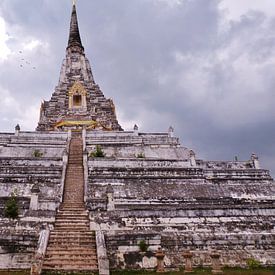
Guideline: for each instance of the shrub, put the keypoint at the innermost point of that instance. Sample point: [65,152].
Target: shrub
[11,208]
[253,263]
[98,153]
[143,246]
[37,154]
[140,156]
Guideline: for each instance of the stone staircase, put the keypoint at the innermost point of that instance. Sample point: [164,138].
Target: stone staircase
[72,246]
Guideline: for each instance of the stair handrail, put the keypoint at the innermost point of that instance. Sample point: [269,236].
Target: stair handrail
[37,264]
[84,134]
[102,258]
[65,164]
[63,177]
[85,163]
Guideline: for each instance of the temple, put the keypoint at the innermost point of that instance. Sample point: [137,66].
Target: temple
[80,194]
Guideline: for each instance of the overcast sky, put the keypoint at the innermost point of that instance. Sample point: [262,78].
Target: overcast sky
[206,67]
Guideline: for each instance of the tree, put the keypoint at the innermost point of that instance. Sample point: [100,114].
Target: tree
[11,207]
[98,153]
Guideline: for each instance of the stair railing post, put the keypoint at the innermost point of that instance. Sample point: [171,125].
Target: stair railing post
[103,261]
[37,264]
[84,133]
[63,177]
[85,163]
[69,134]
[86,174]
[65,163]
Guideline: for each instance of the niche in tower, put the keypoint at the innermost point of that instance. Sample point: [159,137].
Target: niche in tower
[77,96]
[77,101]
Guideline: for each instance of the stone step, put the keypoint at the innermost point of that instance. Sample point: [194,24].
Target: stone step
[74,206]
[70,257]
[78,203]
[79,240]
[71,187]
[69,198]
[71,237]
[75,226]
[70,213]
[73,268]
[79,207]
[70,265]
[76,157]
[79,216]
[74,175]
[68,230]
[73,217]
[74,220]
[68,210]
[61,244]
[72,178]
[72,254]
[67,207]
[73,234]
[77,250]
[73,250]
[57,265]
[70,226]
[68,261]
[75,181]
[71,209]
[69,244]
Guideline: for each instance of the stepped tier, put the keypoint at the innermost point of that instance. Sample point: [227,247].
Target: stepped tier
[164,197]
[28,160]
[146,187]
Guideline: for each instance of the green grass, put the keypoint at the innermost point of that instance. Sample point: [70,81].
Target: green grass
[13,272]
[227,271]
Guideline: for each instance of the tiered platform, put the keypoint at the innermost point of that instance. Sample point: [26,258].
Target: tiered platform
[28,161]
[160,195]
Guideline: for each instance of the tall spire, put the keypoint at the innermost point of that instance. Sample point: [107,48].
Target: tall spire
[74,36]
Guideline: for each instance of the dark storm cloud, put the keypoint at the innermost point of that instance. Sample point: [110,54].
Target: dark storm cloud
[164,64]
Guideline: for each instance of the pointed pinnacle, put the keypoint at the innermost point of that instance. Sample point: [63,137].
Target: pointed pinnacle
[74,36]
